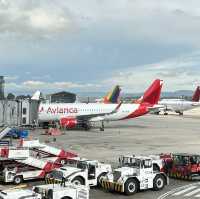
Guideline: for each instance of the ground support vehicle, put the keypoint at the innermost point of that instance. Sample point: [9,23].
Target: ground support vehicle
[17,133]
[84,172]
[183,166]
[48,152]
[16,166]
[138,175]
[65,191]
[19,194]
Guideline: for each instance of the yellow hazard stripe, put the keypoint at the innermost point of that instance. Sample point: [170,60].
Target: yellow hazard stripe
[112,186]
[52,181]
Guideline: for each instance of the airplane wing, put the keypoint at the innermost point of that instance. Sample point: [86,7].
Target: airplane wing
[90,116]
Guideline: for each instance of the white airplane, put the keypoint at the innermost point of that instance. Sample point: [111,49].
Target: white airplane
[180,105]
[71,115]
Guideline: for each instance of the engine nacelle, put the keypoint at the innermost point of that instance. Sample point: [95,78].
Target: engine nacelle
[68,122]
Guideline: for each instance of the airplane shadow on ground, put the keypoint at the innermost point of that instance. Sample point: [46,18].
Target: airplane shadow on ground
[127,127]
[96,129]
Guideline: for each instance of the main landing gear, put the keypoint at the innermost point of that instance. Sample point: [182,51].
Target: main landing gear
[86,126]
[102,126]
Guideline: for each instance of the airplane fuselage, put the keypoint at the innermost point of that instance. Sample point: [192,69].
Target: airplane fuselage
[54,112]
[178,105]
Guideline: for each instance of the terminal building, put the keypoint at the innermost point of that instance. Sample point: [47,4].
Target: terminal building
[18,112]
[61,97]
[2,85]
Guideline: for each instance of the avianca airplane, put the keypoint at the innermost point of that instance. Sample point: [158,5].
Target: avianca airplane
[180,105]
[112,97]
[71,115]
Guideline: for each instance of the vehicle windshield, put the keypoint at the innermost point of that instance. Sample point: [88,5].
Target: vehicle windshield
[82,165]
[131,162]
[185,160]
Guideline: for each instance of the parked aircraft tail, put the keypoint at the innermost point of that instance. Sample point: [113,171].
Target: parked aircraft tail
[113,96]
[36,96]
[196,96]
[152,94]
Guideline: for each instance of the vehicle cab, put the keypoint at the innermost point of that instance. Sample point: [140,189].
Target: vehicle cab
[158,163]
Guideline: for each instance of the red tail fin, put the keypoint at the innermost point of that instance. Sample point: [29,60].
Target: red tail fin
[152,94]
[196,95]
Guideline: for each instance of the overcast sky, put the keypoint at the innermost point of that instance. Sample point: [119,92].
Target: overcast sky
[91,45]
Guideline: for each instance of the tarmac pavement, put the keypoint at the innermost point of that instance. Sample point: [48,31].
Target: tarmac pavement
[150,134]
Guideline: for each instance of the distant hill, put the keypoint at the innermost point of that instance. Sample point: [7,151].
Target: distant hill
[95,95]
[175,94]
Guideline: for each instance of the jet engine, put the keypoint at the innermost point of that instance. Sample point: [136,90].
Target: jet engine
[68,122]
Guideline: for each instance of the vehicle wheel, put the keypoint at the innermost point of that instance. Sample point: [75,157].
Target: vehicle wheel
[99,179]
[158,183]
[78,181]
[131,187]
[65,197]
[18,180]
[50,194]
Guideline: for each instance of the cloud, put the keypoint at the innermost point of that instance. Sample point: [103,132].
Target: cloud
[11,78]
[154,20]
[127,42]
[160,21]
[31,85]
[178,73]
[34,19]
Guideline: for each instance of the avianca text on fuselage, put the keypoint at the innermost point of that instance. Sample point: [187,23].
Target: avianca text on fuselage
[59,110]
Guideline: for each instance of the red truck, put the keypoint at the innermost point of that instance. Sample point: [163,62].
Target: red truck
[182,165]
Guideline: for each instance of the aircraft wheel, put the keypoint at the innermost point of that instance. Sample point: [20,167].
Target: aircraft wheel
[101,129]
